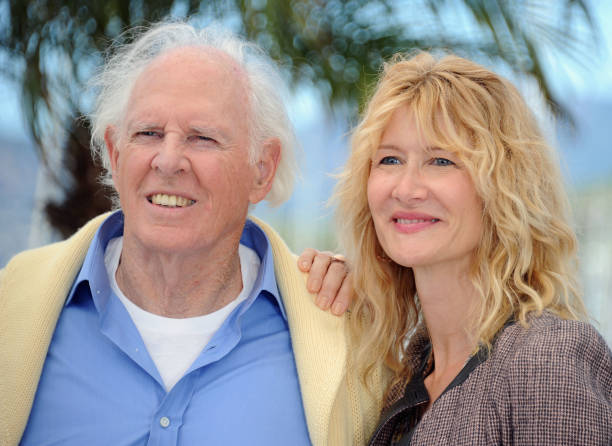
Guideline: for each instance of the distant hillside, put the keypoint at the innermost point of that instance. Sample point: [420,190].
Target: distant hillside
[18,173]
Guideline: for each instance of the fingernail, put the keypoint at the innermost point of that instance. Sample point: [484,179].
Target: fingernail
[337,309]
[323,302]
[314,286]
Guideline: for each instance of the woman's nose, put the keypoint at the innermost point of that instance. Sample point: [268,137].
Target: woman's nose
[411,185]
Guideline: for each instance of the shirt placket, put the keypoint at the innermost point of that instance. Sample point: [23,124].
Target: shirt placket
[168,419]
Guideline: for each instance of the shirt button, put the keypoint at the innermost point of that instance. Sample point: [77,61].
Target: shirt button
[164,422]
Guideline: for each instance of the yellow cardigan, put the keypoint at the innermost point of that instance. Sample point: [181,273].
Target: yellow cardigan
[34,286]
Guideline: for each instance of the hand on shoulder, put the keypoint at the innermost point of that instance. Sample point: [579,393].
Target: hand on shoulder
[329,278]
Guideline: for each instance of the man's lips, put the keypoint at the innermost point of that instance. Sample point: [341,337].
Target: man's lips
[169,200]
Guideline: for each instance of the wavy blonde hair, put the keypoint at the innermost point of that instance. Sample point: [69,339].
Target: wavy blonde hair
[526,259]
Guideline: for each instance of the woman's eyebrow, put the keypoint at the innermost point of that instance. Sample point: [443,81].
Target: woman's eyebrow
[436,149]
[387,147]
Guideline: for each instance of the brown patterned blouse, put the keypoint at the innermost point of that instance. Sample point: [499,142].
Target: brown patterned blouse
[548,384]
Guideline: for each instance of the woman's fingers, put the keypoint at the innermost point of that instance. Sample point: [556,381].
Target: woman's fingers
[343,298]
[318,270]
[332,283]
[328,277]
[306,258]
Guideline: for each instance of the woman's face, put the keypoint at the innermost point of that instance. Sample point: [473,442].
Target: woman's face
[424,205]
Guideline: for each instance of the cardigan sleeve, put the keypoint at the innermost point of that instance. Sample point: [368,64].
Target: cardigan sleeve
[560,387]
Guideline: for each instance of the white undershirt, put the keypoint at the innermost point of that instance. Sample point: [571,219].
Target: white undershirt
[174,344]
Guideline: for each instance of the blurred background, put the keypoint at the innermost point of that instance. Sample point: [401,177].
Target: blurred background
[556,51]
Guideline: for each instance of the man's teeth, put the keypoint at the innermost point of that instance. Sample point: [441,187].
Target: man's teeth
[405,221]
[172,201]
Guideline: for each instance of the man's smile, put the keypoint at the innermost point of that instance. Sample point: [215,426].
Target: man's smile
[170,200]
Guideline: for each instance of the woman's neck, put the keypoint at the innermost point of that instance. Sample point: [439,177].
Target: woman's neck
[448,300]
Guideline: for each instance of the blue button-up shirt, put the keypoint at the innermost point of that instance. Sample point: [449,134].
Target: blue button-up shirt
[99,386]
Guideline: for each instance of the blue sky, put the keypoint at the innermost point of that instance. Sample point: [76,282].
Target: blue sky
[595,80]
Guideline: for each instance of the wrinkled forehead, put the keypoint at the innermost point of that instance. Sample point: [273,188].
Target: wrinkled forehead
[205,65]
[191,80]
[198,58]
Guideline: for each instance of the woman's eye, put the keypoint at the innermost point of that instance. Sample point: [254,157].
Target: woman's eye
[442,162]
[389,160]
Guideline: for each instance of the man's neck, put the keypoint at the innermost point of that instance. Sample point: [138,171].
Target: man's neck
[179,285]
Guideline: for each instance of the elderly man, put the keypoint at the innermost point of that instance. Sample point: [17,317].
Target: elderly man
[176,320]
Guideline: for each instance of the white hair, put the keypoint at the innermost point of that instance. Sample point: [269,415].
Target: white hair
[266,89]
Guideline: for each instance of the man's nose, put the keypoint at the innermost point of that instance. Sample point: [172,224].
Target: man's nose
[411,185]
[170,157]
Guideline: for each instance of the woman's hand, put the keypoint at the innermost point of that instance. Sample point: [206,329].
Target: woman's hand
[329,277]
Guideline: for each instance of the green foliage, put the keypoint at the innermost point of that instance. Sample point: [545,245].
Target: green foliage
[337,45]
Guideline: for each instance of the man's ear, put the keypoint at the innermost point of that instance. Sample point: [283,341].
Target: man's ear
[110,138]
[265,169]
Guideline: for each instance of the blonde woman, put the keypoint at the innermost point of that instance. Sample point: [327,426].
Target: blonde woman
[454,220]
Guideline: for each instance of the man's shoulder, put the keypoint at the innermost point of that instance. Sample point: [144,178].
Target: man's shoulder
[276,241]
[285,261]
[40,256]
[40,268]
[292,283]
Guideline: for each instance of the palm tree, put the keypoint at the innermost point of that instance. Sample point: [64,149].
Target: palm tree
[337,45]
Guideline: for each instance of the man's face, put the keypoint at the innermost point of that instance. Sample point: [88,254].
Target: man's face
[180,159]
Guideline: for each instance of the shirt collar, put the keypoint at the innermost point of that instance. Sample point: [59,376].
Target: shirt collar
[255,238]
[93,271]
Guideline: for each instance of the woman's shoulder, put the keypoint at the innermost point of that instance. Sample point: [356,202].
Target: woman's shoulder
[552,346]
[548,330]
[553,373]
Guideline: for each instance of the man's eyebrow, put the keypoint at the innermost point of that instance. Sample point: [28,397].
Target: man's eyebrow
[200,129]
[141,125]
[206,130]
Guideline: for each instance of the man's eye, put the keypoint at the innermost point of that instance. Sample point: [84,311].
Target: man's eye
[442,162]
[202,139]
[389,160]
[147,133]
